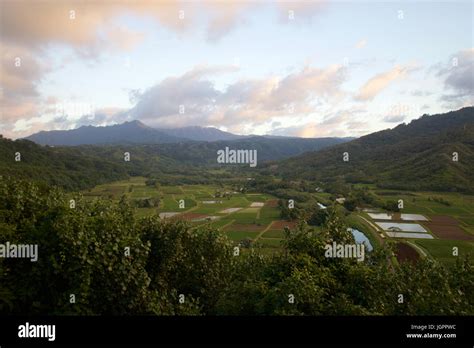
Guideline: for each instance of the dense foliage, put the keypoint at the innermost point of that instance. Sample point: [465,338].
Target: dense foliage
[191,162]
[65,167]
[83,251]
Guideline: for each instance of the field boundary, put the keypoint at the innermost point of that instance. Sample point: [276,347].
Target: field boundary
[417,248]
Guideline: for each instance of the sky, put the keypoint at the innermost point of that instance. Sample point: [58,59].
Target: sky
[295,68]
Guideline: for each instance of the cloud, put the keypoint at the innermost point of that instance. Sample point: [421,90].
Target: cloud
[345,122]
[310,82]
[361,44]
[458,74]
[310,130]
[379,82]
[420,93]
[92,28]
[456,101]
[100,117]
[123,38]
[179,100]
[349,117]
[394,118]
[21,72]
[304,10]
[81,25]
[247,102]
[193,99]
[29,29]
[225,17]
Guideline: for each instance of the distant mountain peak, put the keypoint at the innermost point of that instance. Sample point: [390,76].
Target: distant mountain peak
[137,123]
[134,131]
[130,132]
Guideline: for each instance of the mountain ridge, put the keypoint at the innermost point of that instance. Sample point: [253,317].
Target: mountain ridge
[136,132]
[415,156]
[127,132]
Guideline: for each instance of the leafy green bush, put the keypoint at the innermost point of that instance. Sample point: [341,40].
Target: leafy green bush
[114,263]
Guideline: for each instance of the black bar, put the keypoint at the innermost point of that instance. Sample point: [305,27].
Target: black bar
[239,330]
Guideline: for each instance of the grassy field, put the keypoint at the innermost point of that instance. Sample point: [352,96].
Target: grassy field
[243,216]
[233,213]
[442,250]
[432,205]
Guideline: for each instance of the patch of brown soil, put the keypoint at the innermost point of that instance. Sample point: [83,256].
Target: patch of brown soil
[245,227]
[273,203]
[281,224]
[190,216]
[406,253]
[446,227]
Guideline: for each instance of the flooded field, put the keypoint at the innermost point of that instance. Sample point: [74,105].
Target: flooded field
[401,227]
[409,235]
[380,216]
[397,216]
[413,217]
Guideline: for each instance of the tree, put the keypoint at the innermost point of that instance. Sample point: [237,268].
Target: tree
[318,217]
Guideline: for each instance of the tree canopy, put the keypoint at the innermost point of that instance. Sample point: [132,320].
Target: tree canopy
[115,263]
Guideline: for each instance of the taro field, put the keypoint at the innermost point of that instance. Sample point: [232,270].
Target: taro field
[430,224]
[243,217]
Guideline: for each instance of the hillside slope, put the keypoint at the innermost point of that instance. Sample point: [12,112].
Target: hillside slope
[417,156]
[63,167]
[85,166]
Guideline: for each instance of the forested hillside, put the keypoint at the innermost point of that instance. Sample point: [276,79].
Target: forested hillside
[70,169]
[417,156]
[85,166]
